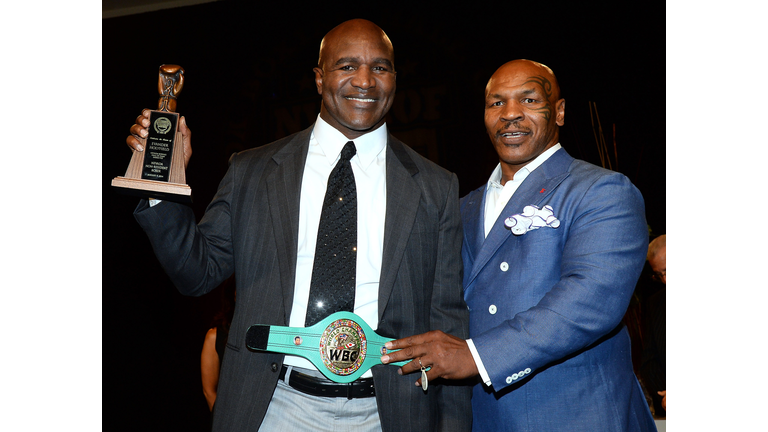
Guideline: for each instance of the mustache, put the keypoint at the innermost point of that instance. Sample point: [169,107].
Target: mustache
[515,125]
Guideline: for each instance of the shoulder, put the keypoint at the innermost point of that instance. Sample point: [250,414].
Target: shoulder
[210,338]
[471,197]
[265,152]
[591,193]
[584,170]
[597,180]
[411,159]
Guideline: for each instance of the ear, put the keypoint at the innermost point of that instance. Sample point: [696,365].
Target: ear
[560,112]
[318,79]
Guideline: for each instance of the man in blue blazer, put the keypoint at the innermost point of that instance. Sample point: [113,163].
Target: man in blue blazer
[553,247]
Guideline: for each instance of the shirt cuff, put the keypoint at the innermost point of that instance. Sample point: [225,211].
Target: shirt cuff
[479,363]
[153,202]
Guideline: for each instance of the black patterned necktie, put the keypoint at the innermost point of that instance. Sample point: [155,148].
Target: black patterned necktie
[332,288]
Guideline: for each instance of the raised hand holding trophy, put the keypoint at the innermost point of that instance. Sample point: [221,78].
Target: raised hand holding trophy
[158,171]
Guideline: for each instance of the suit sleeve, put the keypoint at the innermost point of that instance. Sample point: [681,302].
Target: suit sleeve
[449,312]
[197,257]
[603,254]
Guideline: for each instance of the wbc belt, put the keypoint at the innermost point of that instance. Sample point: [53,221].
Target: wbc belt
[341,346]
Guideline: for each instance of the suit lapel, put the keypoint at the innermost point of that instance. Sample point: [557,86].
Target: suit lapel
[473,216]
[533,191]
[283,192]
[403,195]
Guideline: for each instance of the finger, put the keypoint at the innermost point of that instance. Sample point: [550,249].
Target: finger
[415,366]
[134,143]
[404,342]
[186,134]
[138,131]
[410,367]
[402,355]
[431,375]
[143,119]
[183,126]
[186,138]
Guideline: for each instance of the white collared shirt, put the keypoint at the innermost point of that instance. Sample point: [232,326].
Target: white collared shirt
[496,198]
[369,168]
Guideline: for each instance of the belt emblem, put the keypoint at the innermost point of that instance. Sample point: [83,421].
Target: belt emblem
[343,347]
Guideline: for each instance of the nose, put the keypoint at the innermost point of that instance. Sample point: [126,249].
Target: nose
[363,78]
[511,112]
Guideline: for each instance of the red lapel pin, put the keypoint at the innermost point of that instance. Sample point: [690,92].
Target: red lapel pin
[542,191]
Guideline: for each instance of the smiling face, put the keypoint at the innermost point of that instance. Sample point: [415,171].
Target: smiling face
[523,112]
[356,77]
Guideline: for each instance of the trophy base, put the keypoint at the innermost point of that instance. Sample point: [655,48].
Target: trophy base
[175,192]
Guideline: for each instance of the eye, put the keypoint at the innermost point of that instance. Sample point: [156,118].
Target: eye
[529,100]
[496,103]
[347,68]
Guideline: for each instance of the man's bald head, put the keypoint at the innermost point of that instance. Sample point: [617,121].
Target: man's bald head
[356,30]
[657,246]
[657,258]
[530,68]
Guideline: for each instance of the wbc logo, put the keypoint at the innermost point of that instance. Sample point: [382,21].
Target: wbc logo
[343,347]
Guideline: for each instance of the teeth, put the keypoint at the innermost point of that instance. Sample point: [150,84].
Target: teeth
[361,99]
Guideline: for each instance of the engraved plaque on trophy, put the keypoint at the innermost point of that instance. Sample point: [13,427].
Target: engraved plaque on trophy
[158,171]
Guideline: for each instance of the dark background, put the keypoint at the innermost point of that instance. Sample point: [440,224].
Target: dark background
[249,81]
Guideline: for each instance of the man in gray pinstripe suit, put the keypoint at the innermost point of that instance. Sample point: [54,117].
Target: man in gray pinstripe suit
[262,225]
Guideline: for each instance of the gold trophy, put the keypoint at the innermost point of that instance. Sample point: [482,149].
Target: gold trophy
[158,171]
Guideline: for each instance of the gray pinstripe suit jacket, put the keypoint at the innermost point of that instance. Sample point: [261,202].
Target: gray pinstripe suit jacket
[251,228]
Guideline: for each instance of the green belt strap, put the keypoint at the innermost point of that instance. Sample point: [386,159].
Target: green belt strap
[342,346]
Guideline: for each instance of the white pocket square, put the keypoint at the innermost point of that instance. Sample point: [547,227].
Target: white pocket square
[532,218]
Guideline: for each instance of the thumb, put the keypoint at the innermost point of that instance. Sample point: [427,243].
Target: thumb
[186,137]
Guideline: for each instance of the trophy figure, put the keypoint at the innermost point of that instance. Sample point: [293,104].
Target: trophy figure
[158,171]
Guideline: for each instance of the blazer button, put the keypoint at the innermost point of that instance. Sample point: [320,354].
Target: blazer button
[492,309]
[504,266]
[273,367]
[509,380]
[527,370]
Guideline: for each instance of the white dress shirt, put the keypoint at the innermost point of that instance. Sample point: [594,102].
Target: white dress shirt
[369,168]
[496,198]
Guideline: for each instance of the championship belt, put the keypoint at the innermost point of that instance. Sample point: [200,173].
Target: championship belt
[341,346]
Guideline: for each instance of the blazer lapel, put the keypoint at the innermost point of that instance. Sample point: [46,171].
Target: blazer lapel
[533,191]
[403,195]
[283,193]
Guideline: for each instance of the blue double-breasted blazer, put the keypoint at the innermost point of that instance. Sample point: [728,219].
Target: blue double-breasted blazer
[546,306]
